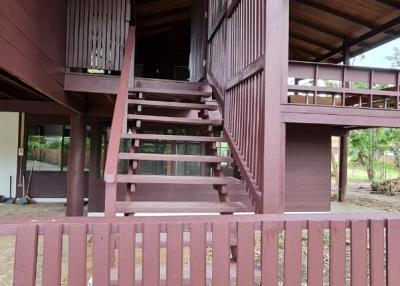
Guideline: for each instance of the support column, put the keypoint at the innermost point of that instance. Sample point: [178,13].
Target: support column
[76,162]
[344,144]
[274,131]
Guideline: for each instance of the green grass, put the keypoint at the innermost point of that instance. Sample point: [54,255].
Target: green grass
[359,173]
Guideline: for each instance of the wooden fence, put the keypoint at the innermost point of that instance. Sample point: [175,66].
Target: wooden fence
[96,34]
[325,249]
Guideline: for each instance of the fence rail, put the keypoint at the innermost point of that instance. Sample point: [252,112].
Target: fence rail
[343,86]
[335,249]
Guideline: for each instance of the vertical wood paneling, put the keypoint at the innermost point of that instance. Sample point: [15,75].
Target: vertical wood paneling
[197,254]
[337,253]
[97,32]
[393,252]
[269,253]
[377,252]
[315,248]
[77,255]
[174,254]
[245,259]
[359,258]
[101,254]
[151,254]
[25,255]
[52,253]
[126,255]
[220,254]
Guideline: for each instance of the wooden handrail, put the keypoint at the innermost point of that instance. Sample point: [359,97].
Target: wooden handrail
[110,172]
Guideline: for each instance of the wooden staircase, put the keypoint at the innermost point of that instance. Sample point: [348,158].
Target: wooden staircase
[172,112]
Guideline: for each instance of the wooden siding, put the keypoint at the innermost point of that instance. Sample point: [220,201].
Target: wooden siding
[97,32]
[308,163]
[32,45]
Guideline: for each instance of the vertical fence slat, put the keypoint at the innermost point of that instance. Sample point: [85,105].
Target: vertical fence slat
[197,254]
[337,253]
[175,254]
[269,255]
[220,254]
[52,254]
[77,255]
[393,252]
[359,257]
[26,255]
[293,252]
[151,254]
[377,252]
[315,259]
[101,254]
[245,263]
[126,255]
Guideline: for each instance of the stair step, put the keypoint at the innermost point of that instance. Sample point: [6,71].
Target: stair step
[172,92]
[180,207]
[189,180]
[159,137]
[177,120]
[173,158]
[172,104]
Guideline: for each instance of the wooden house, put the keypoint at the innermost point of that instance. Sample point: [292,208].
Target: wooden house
[141,99]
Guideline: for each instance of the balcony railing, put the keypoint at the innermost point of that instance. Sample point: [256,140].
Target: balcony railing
[343,86]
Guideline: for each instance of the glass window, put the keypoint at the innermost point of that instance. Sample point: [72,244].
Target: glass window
[48,146]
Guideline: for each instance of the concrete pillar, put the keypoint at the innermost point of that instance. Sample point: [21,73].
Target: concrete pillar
[76,164]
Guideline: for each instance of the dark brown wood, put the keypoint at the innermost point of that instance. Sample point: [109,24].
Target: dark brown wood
[191,180]
[173,105]
[25,255]
[175,158]
[76,162]
[156,137]
[180,207]
[343,157]
[52,255]
[96,34]
[173,120]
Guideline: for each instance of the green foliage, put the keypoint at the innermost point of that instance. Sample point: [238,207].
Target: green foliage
[368,147]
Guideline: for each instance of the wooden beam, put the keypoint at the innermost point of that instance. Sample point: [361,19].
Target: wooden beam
[343,154]
[29,106]
[307,39]
[76,163]
[78,82]
[387,26]
[342,15]
[274,131]
[391,3]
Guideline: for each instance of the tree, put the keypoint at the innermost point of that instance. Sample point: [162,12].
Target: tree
[395,58]
[367,148]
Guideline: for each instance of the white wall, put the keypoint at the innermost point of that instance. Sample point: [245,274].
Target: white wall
[8,152]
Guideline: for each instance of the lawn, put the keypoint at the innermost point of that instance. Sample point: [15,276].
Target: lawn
[357,173]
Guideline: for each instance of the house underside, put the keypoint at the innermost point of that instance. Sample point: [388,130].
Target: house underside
[97,109]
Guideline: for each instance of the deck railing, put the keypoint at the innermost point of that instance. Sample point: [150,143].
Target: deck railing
[343,86]
[334,249]
[117,125]
[236,63]
[97,32]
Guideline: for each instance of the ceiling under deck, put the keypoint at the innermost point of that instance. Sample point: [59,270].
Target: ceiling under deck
[317,27]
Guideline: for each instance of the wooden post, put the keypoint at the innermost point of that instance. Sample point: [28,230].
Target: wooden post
[76,162]
[344,144]
[276,70]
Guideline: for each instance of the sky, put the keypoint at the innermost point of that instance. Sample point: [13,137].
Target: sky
[377,57]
